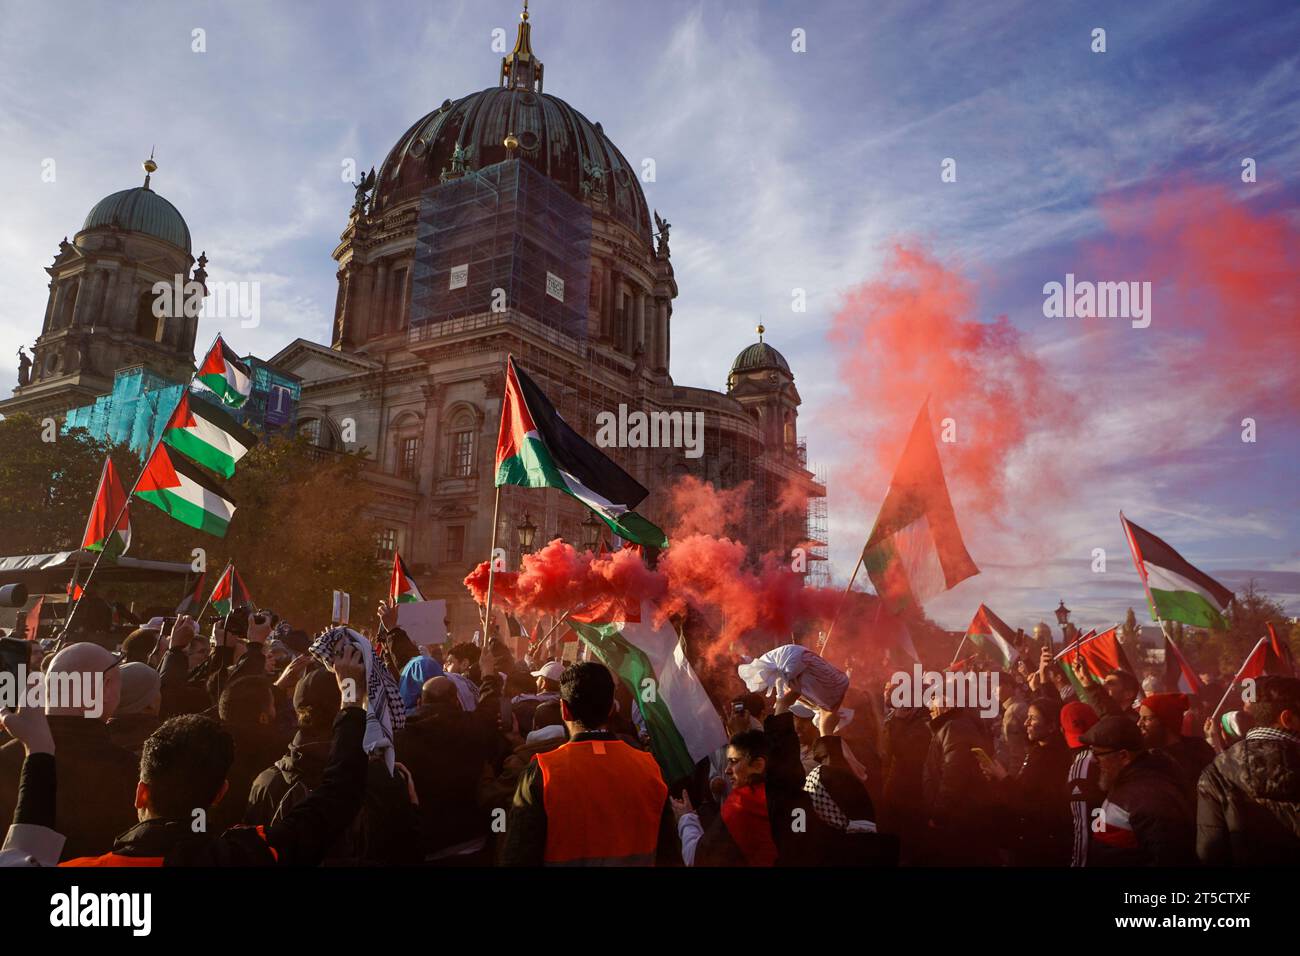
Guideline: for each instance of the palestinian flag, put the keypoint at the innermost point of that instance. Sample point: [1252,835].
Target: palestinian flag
[402,590]
[174,485]
[1179,676]
[651,662]
[74,590]
[190,603]
[1176,591]
[537,449]
[225,374]
[230,592]
[915,550]
[1066,669]
[204,433]
[1101,655]
[109,507]
[990,634]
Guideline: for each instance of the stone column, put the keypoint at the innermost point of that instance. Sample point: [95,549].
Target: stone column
[638,337]
[661,335]
[81,307]
[107,312]
[607,299]
[54,314]
[379,300]
[616,330]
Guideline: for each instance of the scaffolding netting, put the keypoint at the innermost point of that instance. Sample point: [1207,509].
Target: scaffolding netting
[505,227]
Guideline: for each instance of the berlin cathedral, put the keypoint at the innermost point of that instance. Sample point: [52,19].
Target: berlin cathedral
[501,223]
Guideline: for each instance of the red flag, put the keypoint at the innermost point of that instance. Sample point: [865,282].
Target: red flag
[32,620]
[108,528]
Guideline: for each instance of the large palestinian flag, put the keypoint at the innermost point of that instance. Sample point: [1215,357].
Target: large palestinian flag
[537,449]
[403,589]
[108,528]
[993,637]
[915,550]
[1176,590]
[229,592]
[208,435]
[173,484]
[651,662]
[225,374]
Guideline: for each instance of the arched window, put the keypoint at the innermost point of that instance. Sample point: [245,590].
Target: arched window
[460,445]
[309,428]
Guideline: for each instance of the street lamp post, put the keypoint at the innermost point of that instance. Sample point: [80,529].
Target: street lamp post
[1063,619]
[591,532]
[527,530]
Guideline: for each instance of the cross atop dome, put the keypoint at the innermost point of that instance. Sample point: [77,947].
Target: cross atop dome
[520,69]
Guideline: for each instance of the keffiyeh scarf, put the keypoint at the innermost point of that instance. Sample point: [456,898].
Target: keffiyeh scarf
[385,712]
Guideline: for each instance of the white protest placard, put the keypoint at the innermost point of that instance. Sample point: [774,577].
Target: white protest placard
[342,607]
[423,621]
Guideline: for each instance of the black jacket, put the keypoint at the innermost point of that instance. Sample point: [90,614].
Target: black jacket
[1248,803]
[386,831]
[301,838]
[446,753]
[956,796]
[97,778]
[1191,755]
[1160,817]
[1036,806]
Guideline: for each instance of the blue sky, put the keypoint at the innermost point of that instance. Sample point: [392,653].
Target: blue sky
[778,171]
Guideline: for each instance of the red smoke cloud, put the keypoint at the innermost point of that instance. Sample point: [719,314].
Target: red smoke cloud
[912,333]
[760,605]
[1226,279]
[696,507]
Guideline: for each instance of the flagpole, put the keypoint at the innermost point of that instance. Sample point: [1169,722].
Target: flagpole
[208,603]
[1215,729]
[85,589]
[957,653]
[492,566]
[843,600]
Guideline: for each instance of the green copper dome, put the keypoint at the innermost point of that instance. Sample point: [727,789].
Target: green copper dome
[758,357]
[141,210]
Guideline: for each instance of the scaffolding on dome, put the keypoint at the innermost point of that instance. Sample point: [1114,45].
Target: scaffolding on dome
[506,227]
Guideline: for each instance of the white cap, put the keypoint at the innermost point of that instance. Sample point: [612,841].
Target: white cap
[551,670]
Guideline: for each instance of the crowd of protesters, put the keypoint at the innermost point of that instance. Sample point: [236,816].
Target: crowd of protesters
[264,745]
